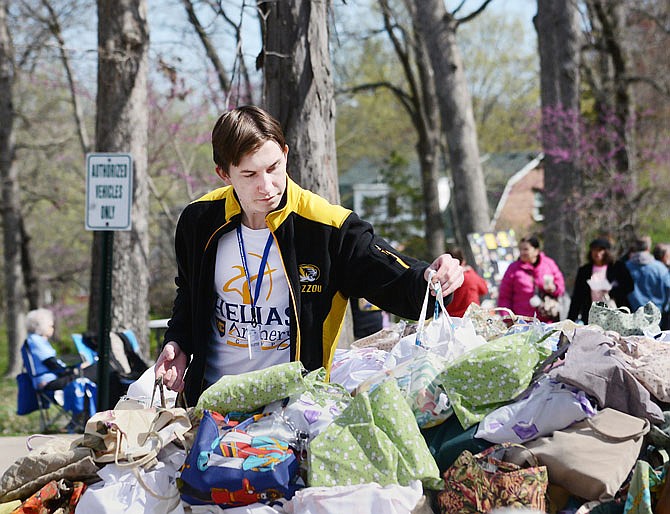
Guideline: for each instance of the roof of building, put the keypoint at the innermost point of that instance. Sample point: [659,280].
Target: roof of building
[498,169]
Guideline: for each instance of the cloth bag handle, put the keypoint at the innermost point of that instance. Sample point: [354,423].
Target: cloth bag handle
[524,452]
[424,309]
[616,438]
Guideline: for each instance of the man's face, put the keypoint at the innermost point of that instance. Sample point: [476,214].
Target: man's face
[259,181]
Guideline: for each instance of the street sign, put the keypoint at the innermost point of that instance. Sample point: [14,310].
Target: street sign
[109,191]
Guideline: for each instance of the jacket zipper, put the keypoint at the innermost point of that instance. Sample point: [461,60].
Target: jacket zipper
[294,302]
[391,254]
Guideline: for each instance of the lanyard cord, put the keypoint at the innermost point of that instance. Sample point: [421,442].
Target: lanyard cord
[261,269]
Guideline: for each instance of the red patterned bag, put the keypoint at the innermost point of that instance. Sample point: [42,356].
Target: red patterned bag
[483,482]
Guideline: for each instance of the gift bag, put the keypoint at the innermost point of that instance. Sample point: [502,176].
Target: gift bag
[131,434]
[255,389]
[591,459]
[644,321]
[548,405]
[419,381]
[444,336]
[483,482]
[490,323]
[374,440]
[228,467]
[493,374]
[57,496]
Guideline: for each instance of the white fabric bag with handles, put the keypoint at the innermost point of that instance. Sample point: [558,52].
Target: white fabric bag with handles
[136,491]
[446,336]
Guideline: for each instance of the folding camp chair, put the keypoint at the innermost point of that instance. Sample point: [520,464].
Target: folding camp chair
[126,363]
[31,399]
[88,355]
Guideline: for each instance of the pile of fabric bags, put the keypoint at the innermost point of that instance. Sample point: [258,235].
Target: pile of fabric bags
[452,415]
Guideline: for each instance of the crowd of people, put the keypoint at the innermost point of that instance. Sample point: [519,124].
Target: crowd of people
[636,278]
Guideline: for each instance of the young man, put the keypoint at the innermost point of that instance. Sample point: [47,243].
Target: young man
[265,268]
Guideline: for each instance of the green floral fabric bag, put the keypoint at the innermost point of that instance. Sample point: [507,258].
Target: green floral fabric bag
[644,321]
[375,439]
[493,374]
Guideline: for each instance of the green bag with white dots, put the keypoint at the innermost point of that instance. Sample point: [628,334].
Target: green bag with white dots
[249,391]
[376,439]
[493,374]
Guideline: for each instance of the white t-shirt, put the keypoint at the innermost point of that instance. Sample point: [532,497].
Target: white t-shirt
[228,352]
[598,283]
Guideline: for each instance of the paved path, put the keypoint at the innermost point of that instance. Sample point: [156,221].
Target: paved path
[11,448]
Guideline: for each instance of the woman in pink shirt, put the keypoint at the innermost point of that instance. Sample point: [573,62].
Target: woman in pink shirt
[528,279]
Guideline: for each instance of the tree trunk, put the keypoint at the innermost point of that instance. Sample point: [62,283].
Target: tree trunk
[557,25]
[439,32]
[429,150]
[31,279]
[422,106]
[298,89]
[11,206]
[612,90]
[121,126]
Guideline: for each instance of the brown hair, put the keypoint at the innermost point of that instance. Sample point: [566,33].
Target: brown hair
[242,131]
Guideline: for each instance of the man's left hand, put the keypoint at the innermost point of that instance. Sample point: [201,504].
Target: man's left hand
[448,273]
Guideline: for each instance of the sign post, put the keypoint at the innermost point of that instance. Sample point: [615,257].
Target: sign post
[109,193]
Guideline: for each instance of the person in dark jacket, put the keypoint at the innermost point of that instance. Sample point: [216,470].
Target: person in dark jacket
[265,268]
[600,279]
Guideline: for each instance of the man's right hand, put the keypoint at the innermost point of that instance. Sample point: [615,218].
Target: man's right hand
[171,365]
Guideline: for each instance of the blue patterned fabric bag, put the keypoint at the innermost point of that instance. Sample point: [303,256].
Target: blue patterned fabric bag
[228,466]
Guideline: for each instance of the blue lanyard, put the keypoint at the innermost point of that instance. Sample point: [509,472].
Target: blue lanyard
[261,270]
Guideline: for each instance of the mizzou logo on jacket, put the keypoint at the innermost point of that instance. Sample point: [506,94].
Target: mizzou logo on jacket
[309,273]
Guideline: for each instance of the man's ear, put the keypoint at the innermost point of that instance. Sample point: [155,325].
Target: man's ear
[285,151]
[223,175]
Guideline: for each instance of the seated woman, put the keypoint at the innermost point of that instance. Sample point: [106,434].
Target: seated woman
[50,372]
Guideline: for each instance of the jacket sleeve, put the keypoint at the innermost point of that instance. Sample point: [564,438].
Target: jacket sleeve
[579,293]
[369,267]
[506,286]
[179,326]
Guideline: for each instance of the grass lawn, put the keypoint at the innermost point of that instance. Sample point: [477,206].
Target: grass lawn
[10,422]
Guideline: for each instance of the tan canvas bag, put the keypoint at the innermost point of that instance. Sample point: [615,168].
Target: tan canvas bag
[591,459]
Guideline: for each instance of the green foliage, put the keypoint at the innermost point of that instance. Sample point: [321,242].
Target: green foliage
[398,215]
[372,123]
[502,67]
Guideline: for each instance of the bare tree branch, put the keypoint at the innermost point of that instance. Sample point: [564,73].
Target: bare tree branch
[243,72]
[43,145]
[473,14]
[660,22]
[212,55]
[55,28]
[661,88]
[401,95]
[458,8]
[403,57]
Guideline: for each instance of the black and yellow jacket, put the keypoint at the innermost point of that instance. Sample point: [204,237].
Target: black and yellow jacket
[328,254]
